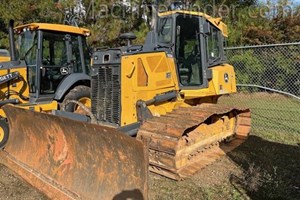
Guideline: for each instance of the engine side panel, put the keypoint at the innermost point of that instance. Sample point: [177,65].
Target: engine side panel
[143,76]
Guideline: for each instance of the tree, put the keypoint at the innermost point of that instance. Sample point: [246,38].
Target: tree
[275,22]
[26,11]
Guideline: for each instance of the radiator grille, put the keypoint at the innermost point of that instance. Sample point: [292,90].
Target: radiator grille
[106,91]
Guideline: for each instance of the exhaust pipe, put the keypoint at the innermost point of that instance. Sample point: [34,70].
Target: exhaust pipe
[154,16]
[12,41]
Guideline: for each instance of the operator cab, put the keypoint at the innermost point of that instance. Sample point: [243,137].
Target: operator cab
[51,53]
[197,44]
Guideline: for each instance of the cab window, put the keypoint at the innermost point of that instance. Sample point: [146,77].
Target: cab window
[213,45]
[165,30]
[54,49]
[54,57]
[76,59]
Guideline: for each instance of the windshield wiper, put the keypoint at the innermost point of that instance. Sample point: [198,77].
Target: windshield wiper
[164,45]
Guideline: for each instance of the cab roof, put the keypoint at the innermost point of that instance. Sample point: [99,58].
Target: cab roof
[54,27]
[215,21]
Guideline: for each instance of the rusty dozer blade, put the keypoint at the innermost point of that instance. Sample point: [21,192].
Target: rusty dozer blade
[67,159]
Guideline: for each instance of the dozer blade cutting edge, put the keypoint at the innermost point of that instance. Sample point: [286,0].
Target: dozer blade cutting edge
[67,159]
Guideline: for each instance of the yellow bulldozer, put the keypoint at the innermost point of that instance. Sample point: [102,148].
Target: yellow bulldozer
[166,92]
[163,92]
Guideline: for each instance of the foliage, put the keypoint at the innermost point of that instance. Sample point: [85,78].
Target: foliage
[249,21]
[27,11]
[274,22]
[274,67]
[248,64]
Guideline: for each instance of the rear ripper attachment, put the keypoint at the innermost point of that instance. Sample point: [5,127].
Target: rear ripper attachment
[67,159]
[188,139]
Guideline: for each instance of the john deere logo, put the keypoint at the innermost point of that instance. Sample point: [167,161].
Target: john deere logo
[64,70]
[226,78]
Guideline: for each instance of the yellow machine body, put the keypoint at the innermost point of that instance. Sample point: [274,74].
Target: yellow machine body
[54,27]
[15,85]
[4,58]
[20,85]
[141,82]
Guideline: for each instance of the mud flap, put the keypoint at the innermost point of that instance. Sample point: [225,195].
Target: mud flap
[67,159]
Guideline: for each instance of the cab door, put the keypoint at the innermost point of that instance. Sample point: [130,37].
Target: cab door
[190,52]
[62,54]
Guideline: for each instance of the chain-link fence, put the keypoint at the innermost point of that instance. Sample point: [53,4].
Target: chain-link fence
[268,78]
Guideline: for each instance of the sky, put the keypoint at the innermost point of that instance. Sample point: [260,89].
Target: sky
[296,1]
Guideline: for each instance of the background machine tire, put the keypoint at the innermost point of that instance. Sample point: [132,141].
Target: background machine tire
[4,132]
[80,94]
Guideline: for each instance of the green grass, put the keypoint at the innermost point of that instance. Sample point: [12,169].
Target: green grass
[274,117]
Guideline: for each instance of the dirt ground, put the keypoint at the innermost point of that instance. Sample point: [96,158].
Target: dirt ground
[13,188]
[258,169]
